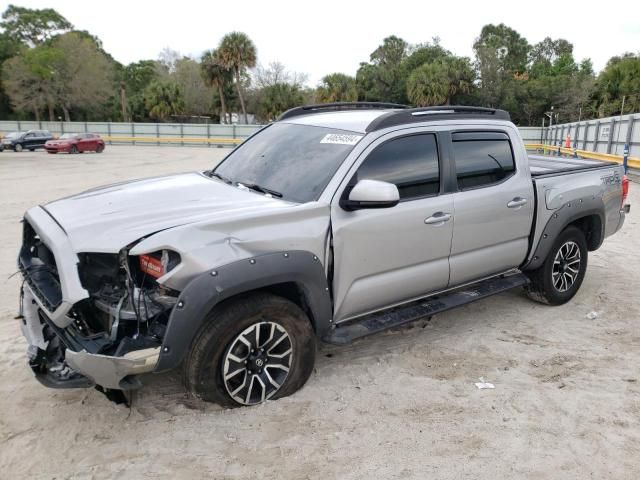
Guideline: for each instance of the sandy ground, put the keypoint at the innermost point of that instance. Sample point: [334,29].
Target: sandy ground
[397,405]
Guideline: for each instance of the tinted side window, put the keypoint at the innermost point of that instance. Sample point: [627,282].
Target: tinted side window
[482,161]
[411,163]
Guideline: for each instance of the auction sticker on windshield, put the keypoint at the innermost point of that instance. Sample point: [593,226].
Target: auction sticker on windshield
[341,138]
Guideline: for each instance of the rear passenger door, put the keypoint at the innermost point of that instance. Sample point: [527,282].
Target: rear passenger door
[493,206]
[387,256]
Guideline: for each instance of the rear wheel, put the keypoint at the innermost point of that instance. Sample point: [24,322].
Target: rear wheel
[559,278]
[251,349]
[18,147]
[73,149]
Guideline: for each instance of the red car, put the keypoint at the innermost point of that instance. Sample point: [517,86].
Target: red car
[76,143]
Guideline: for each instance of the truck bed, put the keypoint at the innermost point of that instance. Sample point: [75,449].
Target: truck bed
[550,165]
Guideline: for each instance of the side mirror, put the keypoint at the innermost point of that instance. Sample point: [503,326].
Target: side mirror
[371,194]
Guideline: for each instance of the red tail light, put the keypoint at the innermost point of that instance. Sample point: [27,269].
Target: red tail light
[625,188]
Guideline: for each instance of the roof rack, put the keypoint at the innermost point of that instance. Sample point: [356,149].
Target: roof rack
[423,114]
[337,106]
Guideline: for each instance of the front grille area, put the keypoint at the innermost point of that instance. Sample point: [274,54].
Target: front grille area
[38,266]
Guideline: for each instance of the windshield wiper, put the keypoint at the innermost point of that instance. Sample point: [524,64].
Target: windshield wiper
[258,188]
[223,178]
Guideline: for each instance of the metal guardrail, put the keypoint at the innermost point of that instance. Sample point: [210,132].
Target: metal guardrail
[633,162]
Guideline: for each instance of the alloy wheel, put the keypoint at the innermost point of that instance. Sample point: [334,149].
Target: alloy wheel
[257,363]
[566,266]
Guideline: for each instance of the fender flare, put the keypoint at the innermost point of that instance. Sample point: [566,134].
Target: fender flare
[208,289]
[560,219]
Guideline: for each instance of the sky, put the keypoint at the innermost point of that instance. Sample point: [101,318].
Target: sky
[317,38]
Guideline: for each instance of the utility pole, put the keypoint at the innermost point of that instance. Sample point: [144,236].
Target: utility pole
[550,115]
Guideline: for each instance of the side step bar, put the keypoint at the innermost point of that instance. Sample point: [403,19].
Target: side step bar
[377,322]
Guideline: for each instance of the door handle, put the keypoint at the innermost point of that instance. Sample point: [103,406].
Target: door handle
[438,218]
[517,202]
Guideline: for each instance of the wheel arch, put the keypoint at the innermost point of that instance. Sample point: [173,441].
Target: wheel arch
[593,228]
[297,276]
[586,214]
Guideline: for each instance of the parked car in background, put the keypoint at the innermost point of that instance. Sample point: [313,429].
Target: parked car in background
[76,143]
[30,139]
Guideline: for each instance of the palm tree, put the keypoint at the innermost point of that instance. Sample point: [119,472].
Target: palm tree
[337,87]
[217,76]
[438,82]
[428,85]
[163,99]
[237,53]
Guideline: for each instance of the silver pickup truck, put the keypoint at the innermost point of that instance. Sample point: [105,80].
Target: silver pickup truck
[335,222]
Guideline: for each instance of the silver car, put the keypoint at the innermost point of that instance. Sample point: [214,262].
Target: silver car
[335,222]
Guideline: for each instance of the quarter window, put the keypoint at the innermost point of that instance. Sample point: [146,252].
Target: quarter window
[482,159]
[411,163]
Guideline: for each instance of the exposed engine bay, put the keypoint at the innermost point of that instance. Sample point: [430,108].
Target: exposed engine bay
[126,302]
[127,310]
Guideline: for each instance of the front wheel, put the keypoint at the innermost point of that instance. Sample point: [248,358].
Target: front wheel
[251,349]
[18,147]
[73,149]
[559,278]
[100,149]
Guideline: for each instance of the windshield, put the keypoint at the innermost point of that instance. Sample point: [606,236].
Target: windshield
[14,134]
[296,161]
[68,135]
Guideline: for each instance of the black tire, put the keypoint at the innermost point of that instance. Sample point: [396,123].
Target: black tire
[32,149]
[17,147]
[556,283]
[203,368]
[73,150]
[100,149]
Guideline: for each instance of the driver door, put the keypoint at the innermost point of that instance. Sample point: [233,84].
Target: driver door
[391,255]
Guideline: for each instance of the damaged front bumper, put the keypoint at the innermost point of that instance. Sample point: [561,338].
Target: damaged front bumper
[114,372]
[61,358]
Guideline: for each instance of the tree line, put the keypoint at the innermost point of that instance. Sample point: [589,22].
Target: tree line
[49,71]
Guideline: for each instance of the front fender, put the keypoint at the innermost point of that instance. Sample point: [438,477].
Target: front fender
[210,288]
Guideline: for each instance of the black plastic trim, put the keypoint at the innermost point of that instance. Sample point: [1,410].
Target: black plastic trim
[336,106]
[344,334]
[565,215]
[210,288]
[472,135]
[427,114]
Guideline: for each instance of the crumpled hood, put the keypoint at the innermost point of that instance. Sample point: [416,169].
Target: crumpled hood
[107,219]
